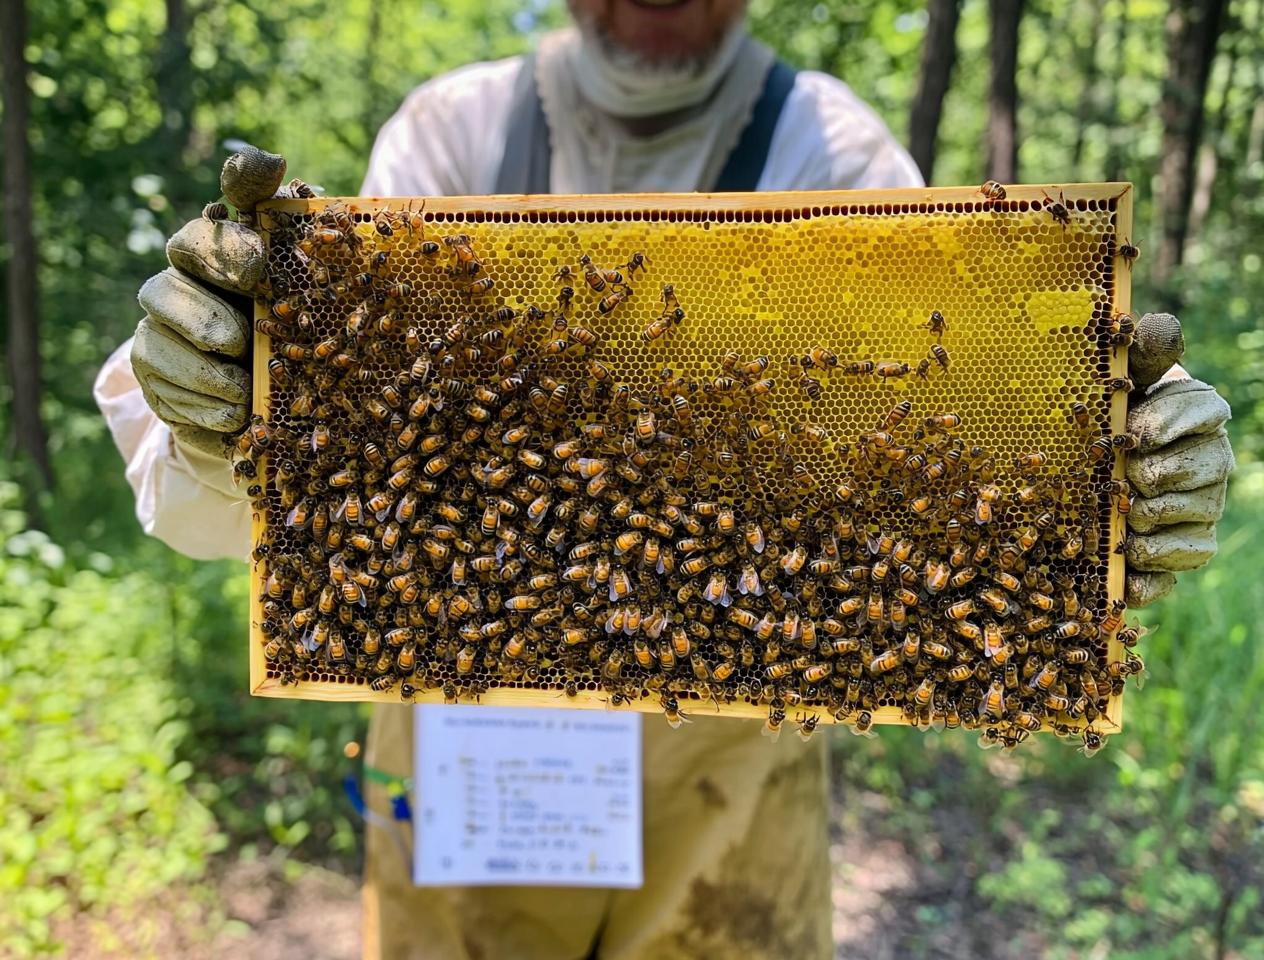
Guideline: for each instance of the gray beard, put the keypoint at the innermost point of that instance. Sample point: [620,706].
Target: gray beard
[660,73]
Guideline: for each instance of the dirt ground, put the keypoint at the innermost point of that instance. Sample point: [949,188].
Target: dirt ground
[892,900]
[252,911]
[259,913]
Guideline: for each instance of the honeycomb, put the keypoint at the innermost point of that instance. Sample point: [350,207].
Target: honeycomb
[837,456]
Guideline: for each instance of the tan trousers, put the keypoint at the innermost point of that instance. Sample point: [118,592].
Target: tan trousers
[736,863]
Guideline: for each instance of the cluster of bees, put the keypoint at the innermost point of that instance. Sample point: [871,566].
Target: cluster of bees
[445,512]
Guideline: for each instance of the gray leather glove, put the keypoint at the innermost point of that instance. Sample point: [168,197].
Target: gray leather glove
[192,348]
[1180,469]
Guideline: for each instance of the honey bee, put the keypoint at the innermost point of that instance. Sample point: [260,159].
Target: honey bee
[1098,449]
[636,262]
[862,725]
[940,354]
[660,325]
[891,370]
[463,247]
[1080,415]
[859,368]
[1129,252]
[1058,209]
[937,325]
[818,356]
[478,287]
[1120,494]
[595,277]
[1092,742]
[1115,617]
[1030,462]
[1119,332]
[215,211]
[582,336]
[992,192]
[812,432]
[810,386]
[1125,441]
[772,726]
[671,709]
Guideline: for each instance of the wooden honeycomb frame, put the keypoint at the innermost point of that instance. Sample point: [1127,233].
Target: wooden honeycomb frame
[920,224]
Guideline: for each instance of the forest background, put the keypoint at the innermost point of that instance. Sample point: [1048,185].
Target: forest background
[135,772]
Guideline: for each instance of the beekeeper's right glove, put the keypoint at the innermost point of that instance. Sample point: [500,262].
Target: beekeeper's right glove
[191,354]
[1181,467]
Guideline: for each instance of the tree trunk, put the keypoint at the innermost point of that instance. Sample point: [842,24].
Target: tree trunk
[939,55]
[1002,145]
[372,88]
[1116,147]
[1088,92]
[23,305]
[1207,166]
[1193,27]
[175,99]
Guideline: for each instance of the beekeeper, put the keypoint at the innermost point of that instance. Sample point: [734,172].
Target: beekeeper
[642,96]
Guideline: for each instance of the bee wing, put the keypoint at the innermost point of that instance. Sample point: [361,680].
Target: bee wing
[772,733]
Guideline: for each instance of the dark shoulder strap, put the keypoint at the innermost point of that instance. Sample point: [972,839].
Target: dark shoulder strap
[524,167]
[746,163]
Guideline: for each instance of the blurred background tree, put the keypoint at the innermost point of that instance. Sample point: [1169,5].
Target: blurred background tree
[124,106]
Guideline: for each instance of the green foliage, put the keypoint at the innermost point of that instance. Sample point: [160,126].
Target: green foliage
[124,720]
[94,811]
[1035,880]
[1198,717]
[270,770]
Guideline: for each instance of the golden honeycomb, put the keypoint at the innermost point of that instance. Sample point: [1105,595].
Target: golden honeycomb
[823,286]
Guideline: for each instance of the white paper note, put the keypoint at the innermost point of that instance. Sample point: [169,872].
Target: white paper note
[527,797]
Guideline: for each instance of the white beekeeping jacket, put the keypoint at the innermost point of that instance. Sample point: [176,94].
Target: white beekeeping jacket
[447,139]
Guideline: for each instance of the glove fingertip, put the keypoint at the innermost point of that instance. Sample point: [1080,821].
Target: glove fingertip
[224,254]
[251,176]
[206,441]
[1157,344]
[1143,589]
